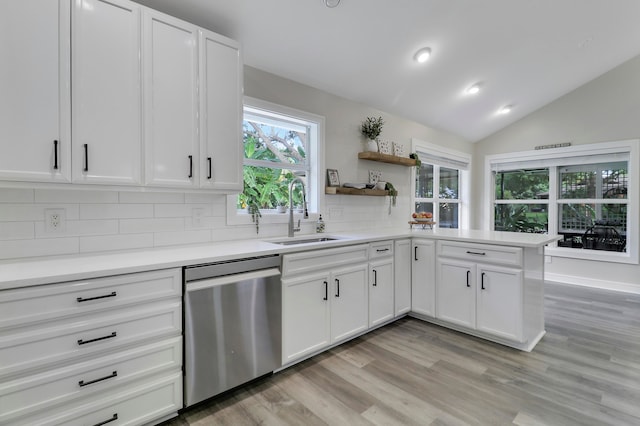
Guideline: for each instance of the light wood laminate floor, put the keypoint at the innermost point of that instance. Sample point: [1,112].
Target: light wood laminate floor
[585,371]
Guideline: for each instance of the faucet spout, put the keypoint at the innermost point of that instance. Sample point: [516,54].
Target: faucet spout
[293,229]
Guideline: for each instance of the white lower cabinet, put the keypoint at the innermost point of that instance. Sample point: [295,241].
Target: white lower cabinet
[402,277]
[480,296]
[70,350]
[423,277]
[323,303]
[381,285]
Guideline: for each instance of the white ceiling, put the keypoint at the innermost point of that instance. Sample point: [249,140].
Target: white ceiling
[526,53]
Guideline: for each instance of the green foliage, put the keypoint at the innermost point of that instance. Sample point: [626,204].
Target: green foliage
[514,218]
[372,127]
[522,185]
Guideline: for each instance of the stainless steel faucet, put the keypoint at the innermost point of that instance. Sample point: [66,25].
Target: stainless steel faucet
[292,230]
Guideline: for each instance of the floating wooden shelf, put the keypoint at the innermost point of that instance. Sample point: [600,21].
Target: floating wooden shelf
[386,158]
[333,190]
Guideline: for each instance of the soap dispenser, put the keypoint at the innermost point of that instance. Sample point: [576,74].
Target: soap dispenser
[320,225]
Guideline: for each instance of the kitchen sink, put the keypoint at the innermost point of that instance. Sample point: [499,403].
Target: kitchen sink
[304,241]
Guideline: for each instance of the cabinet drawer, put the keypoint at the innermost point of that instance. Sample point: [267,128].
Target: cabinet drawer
[40,391]
[139,404]
[381,249]
[46,302]
[485,253]
[64,340]
[298,263]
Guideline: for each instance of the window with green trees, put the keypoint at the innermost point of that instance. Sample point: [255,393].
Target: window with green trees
[276,149]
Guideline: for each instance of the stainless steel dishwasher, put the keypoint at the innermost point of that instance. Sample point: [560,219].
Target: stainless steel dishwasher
[232,324]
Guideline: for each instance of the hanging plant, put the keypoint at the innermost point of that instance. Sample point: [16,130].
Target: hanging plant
[393,195]
[414,155]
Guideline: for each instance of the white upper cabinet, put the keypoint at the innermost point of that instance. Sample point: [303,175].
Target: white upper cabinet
[170,59]
[35,109]
[221,150]
[106,99]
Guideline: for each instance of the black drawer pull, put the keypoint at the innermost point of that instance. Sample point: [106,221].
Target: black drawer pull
[90,382]
[209,160]
[84,342]
[415,253]
[55,155]
[326,291]
[382,250]
[86,157]
[190,166]
[375,278]
[477,253]
[337,287]
[112,419]
[468,273]
[86,299]
[482,281]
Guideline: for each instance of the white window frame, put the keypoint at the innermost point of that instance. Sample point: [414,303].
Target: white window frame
[316,155]
[579,154]
[443,157]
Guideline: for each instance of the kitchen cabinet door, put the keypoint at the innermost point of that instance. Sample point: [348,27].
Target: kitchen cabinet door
[305,315]
[500,301]
[348,302]
[221,148]
[456,295]
[106,97]
[402,277]
[381,306]
[170,55]
[423,277]
[35,107]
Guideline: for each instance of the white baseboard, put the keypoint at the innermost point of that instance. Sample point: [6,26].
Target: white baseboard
[593,283]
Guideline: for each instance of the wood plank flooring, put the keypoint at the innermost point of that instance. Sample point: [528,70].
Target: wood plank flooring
[585,371]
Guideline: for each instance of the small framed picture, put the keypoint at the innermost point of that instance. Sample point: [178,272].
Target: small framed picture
[332,177]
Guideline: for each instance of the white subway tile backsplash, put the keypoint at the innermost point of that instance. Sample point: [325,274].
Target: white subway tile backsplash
[180,210]
[75,196]
[203,198]
[134,226]
[16,195]
[34,212]
[177,238]
[77,228]
[115,211]
[151,197]
[16,230]
[115,242]
[16,249]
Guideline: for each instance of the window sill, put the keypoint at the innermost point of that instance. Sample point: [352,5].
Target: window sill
[594,255]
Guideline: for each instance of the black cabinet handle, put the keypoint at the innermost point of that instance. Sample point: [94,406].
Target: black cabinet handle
[209,161]
[415,253]
[112,419]
[82,383]
[326,291]
[337,287]
[375,278]
[468,273]
[382,250]
[477,253]
[86,157]
[55,155]
[190,166]
[86,299]
[482,281]
[84,342]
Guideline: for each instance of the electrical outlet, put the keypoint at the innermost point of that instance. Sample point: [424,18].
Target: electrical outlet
[196,217]
[55,221]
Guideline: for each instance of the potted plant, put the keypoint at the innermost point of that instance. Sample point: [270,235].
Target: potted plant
[281,207]
[414,155]
[393,195]
[371,129]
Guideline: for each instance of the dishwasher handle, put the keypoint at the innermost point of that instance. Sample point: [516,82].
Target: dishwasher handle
[230,279]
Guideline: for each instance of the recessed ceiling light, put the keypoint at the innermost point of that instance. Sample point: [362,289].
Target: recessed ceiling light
[472,90]
[422,55]
[331,3]
[505,109]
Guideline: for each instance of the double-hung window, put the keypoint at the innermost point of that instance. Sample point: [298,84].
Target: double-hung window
[441,183]
[582,193]
[280,144]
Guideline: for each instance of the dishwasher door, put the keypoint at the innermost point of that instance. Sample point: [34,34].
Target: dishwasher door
[233,331]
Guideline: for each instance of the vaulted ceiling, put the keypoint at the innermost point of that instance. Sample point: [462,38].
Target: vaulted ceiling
[523,53]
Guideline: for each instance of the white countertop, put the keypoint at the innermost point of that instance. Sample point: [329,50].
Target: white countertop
[47,270]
